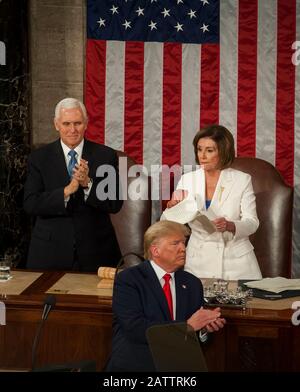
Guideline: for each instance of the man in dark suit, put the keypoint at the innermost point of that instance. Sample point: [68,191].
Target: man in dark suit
[70,200]
[156,291]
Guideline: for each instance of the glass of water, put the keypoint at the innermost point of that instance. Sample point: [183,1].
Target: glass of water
[5,266]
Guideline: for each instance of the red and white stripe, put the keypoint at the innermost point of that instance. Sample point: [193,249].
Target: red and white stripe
[149,99]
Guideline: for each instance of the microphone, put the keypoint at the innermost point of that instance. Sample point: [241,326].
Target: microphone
[49,303]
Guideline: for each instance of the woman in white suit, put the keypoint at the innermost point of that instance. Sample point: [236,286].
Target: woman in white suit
[226,196]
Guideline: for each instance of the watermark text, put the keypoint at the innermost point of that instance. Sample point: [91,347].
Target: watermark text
[136,181]
[2,53]
[296,54]
[296,314]
[2,314]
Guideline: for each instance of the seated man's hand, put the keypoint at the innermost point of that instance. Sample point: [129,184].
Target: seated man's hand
[177,196]
[206,318]
[216,325]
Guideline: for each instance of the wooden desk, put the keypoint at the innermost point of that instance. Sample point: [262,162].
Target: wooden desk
[79,327]
[255,340]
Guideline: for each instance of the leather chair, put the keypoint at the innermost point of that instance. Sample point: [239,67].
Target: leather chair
[134,218]
[274,203]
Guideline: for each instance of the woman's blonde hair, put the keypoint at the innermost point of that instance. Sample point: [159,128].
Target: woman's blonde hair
[160,230]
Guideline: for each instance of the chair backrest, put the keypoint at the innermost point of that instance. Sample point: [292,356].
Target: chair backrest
[175,348]
[274,203]
[134,218]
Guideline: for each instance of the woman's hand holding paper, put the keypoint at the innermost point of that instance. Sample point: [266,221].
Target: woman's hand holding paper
[177,196]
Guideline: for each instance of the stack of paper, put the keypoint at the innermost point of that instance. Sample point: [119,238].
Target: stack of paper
[186,211]
[107,276]
[207,225]
[183,212]
[275,285]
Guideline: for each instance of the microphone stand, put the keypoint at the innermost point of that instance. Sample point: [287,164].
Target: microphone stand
[48,304]
[35,344]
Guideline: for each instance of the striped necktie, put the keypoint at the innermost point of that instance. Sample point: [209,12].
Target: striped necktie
[72,162]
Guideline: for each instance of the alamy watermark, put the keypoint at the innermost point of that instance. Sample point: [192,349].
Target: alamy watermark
[136,181]
[2,313]
[2,53]
[296,54]
[296,315]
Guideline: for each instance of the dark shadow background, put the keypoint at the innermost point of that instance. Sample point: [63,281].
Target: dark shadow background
[14,130]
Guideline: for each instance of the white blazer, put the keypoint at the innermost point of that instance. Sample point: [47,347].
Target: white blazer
[223,255]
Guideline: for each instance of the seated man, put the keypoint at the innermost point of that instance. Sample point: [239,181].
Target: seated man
[156,291]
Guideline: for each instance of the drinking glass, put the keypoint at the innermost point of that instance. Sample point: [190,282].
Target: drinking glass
[5,266]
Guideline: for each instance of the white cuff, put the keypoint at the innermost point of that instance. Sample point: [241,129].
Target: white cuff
[203,335]
[87,190]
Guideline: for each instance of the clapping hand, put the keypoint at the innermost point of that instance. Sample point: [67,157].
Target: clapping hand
[81,173]
[206,318]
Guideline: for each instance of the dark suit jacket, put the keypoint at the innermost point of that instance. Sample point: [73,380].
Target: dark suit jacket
[82,229]
[138,303]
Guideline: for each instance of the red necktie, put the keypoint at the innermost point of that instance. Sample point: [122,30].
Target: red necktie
[168,294]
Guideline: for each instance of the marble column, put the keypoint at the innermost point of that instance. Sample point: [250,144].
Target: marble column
[14,128]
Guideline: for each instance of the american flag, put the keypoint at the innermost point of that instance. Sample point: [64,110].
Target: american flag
[157,70]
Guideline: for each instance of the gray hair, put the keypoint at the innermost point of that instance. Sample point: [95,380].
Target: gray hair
[70,103]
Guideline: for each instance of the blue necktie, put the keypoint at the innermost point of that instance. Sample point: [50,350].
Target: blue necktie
[72,163]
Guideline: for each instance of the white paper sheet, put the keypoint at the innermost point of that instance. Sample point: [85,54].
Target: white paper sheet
[186,211]
[275,285]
